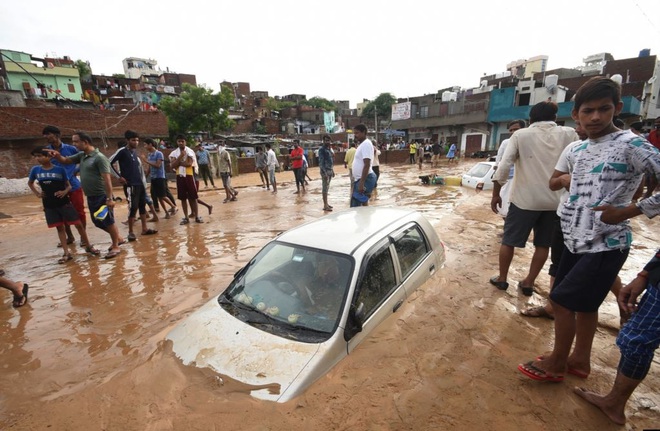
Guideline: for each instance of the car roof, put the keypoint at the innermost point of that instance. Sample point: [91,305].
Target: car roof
[344,231]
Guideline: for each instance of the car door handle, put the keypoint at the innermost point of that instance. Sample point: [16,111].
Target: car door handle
[432,269]
[397,305]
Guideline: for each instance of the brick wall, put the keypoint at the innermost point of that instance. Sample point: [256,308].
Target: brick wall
[20,131]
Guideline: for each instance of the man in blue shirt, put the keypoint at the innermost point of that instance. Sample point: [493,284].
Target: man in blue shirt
[203,161]
[52,135]
[326,165]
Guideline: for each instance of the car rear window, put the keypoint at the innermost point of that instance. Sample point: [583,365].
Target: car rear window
[479,170]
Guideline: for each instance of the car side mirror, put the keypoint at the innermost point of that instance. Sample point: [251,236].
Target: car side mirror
[354,321]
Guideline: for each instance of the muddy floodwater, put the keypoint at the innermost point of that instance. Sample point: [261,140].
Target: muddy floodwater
[88,351]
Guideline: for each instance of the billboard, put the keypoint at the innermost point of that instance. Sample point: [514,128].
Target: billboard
[401,111]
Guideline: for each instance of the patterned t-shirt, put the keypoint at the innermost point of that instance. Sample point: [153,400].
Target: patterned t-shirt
[50,180]
[606,171]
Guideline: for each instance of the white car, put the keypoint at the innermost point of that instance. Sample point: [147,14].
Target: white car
[480,176]
[309,297]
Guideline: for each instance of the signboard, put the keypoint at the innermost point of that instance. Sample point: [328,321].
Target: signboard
[401,111]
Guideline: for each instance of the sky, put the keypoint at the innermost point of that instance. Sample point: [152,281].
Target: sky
[339,49]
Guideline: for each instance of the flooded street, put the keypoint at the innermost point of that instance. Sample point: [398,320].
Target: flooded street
[88,351]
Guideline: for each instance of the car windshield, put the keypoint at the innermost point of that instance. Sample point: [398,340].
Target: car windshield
[291,291]
[479,171]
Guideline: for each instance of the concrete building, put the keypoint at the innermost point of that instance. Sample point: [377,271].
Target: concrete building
[526,68]
[39,78]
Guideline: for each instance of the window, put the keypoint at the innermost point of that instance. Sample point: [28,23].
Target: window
[378,280]
[411,249]
[72,88]
[424,112]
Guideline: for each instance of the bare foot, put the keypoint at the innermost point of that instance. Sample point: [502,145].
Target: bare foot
[600,402]
[210,209]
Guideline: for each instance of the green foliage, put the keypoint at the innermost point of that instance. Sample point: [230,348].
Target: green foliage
[320,103]
[278,105]
[197,109]
[382,105]
[260,129]
[118,75]
[84,69]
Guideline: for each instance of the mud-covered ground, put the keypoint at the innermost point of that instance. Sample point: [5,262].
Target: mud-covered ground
[88,351]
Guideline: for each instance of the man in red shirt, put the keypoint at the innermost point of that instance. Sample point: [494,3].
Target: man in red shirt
[654,135]
[296,157]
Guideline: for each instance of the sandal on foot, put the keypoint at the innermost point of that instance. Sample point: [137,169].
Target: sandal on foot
[502,285]
[526,290]
[131,237]
[112,254]
[199,220]
[184,221]
[91,250]
[539,311]
[20,301]
[65,258]
[150,232]
[535,373]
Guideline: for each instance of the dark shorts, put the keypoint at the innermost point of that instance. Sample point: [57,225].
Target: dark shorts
[584,280]
[137,200]
[519,223]
[225,178]
[94,203]
[325,183]
[66,215]
[186,188]
[159,187]
[77,198]
[556,248]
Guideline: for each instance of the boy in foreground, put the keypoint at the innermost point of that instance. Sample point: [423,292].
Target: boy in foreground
[607,169]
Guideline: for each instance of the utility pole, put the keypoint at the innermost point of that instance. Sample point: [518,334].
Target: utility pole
[376,122]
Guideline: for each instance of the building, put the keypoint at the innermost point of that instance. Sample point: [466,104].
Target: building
[527,68]
[39,78]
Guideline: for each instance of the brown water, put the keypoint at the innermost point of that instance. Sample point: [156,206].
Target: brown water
[87,352]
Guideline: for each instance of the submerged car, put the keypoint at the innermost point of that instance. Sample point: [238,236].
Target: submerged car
[480,176]
[309,297]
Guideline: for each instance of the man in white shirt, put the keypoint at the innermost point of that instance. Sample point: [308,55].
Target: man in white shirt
[271,162]
[363,174]
[184,162]
[505,191]
[534,152]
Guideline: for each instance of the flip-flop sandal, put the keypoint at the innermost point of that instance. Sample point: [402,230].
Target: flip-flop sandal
[65,258]
[20,301]
[539,311]
[535,373]
[569,370]
[199,220]
[112,254]
[131,237]
[150,232]
[91,250]
[68,242]
[502,285]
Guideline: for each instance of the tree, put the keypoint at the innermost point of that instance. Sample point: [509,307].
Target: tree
[278,105]
[320,103]
[198,109]
[84,69]
[382,105]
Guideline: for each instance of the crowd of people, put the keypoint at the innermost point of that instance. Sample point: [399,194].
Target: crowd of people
[575,189]
[603,173]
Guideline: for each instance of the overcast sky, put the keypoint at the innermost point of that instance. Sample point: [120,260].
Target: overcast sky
[338,49]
